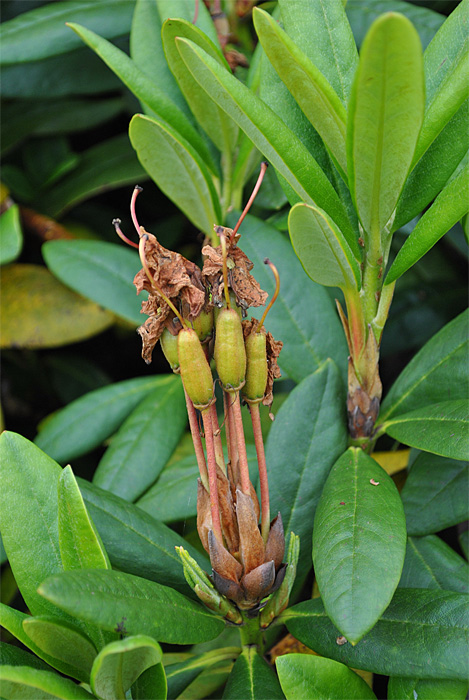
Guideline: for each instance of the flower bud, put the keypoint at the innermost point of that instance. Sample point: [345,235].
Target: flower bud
[195,370]
[169,345]
[256,369]
[229,352]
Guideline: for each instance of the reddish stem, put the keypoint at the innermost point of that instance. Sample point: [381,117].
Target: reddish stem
[264,166]
[135,193]
[263,480]
[219,456]
[243,458]
[116,223]
[196,12]
[212,474]
[197,440]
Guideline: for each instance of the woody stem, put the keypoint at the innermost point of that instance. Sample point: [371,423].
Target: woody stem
[212,474]
[263,480]
[219,456]
[196,439]
[243,458]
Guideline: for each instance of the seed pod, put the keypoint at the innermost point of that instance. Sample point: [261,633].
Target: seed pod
[218,309]
[229,352]
[195,370]
[169,345]
[203,325]
[256,370]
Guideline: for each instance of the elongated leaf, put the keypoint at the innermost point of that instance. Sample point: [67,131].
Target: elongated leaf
[323,33]
[359,543]
[252,678]
[100,271]
[311,419]
[180,675]
[267,132]
[108,598]
[23,37]
[442,428]
[425,689]
[14,656]
[434,495]
[86,422]
[120,663]
[177,169]
[51,315]
[385,116]
[303,316]
[151,684]
[448,208]
[322,250]
[144,442]
[145,90]
[24,683]
[208,682]
[314,94]
[421,634]
[430,563]
[305,675]
[63,642]
[186,11]
[136,542]
[438,370]
[11,236]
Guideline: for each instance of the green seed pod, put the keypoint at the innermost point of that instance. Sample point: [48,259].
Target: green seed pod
[203,325]
[229,352]
[169,345]
[256,370]
[195,370]
[217,310]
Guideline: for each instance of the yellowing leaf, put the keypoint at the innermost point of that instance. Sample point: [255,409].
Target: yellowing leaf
[392,462]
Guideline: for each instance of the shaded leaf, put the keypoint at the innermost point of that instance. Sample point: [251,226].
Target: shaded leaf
[182,674]
[151,684]
[431,563]
[23,682]
[252,678]
[14,656]
[426,689]
[11,235]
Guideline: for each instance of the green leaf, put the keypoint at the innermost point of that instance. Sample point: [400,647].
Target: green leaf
[447,209]
[312,420]
[304,316]
[181,675]
[120,663]
[268,133]
[322,31]
[151,684]
[145,441]
[442,428]
[51,315]
[434,495]
[318,100]
[252,678]
[426,689]
[421,634]
[100,271]
[359,542]
[186,11]
[86,422]
[14,656]
[207,682]
[431,563]
[136,542]
[322,249]
[385,116]
[146,91]
[11,235]
[305,675]
[63,642]
[106,598]
[438,370]
[24,683]
[41,33]
[177,169]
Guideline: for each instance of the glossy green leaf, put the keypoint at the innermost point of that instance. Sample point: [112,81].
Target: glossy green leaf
[447,209]
[431,563]
[316,678]
[120,663]
[312,420]
[24,683]
[145,90]
[267,131]
[252,678]
[108,165]
[318,100]
[14,656]
[186,11]
[145,441]
[385,116]
[63,642]
[207,682]
[11,235]
[359,542]
[136,542]
[100,271]
[438,370]
[422,634]
[41,32]
[51,315]
[322,31]
[303,314]
[182,674]
[464,542]
[214,121]
[86,422]
[177,169]
[108,598]
[151,684]
[426,689]
[445,64]
[442,428]
[434,495]
[322,249]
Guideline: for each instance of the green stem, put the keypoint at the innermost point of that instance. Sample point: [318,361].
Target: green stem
[251,633]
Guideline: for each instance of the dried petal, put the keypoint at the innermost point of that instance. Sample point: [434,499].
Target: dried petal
[273,370]
[251,544]
[222,561]
[275,547]
[247,290]
[259,581]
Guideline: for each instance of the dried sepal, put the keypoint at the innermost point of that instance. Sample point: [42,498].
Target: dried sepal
[275,547]
[251,544]
[258,582]
[222,561]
